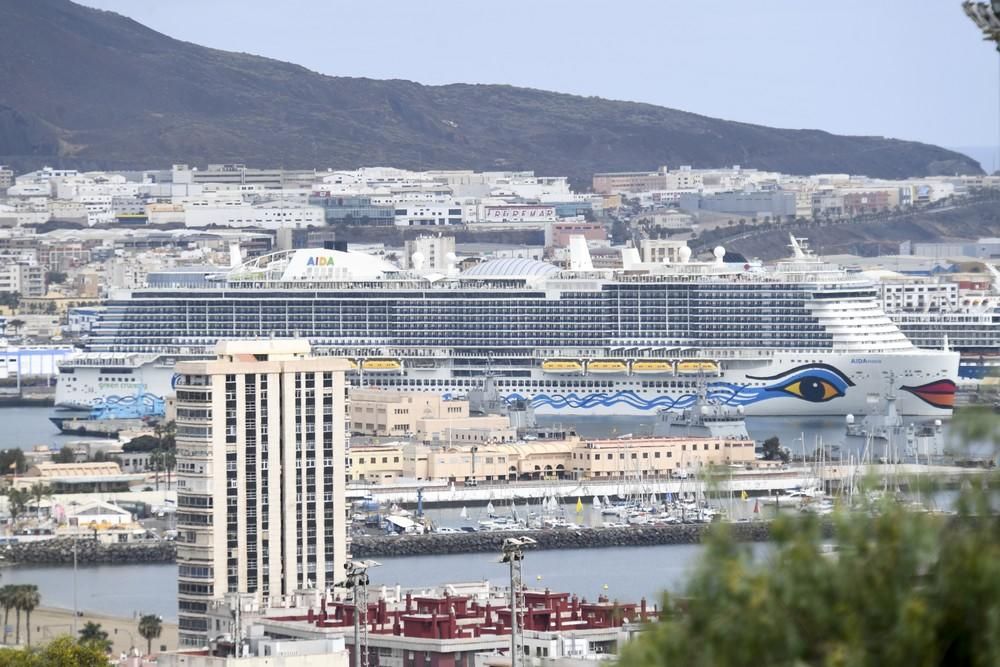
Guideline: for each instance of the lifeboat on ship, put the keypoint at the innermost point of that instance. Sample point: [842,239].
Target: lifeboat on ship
[381,364]
[652,367]
[607,366]
[697,367]
[562,366]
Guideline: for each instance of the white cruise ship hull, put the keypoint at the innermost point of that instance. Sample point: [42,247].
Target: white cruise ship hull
[784,384]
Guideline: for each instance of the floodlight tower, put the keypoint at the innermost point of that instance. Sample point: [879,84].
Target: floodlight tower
[513,553]
[357,581]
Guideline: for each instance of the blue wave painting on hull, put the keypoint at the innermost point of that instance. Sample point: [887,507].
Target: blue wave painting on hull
[136,406]
[815,383]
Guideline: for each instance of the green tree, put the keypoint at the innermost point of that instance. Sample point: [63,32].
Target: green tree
[773,451]
[92,633]
[12,461]
[10,299]
[65,455]
[902,589]
[60,652]
[150,627]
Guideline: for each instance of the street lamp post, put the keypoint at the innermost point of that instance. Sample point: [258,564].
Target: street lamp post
[357,581]
[513,553]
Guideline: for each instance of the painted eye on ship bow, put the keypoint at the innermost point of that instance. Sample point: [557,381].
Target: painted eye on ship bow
[813,388]
[816,383]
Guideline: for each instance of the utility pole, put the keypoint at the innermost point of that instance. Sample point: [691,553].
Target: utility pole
[513,553]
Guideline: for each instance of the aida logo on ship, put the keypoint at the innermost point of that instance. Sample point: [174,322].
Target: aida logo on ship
[319,261]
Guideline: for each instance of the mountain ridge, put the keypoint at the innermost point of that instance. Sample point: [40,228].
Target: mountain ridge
[88,88]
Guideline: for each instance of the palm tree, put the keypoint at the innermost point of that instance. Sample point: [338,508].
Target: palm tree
[169,462]
[30,598]
[150,626]
[16,325]
[91,633]
[39,491]
[7,601]
[17,597]
[156,460]
[17,499]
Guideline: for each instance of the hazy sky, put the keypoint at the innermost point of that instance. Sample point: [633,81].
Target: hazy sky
[914,69]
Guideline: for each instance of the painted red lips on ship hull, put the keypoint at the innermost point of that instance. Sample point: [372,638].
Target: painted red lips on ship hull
[940,393]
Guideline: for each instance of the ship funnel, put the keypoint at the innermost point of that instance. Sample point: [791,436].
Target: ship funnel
[796,247]
[579,254]
[630,258]
[996,276]
[235,257]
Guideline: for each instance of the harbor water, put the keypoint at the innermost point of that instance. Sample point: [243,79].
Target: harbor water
[628,574]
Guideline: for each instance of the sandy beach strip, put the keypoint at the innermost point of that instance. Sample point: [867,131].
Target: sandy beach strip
[48,623]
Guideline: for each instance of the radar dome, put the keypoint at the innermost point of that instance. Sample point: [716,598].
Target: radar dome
[850,419]
[719,253]
[417,259]
[685,254]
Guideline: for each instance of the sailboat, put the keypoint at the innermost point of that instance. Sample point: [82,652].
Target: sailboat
[597,502]
[464,513]
[490,510]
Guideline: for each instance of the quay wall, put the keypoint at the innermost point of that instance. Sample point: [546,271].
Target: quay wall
[59,551]
[636,536]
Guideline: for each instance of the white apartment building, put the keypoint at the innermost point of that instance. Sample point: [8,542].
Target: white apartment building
[261,468]
[236,213]
[917,294]
[431,253]
[427,214]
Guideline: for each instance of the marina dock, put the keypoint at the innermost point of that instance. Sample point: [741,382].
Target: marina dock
[754,483]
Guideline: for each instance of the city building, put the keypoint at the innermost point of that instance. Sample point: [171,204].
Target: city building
[433,253]
[569,457]
[93,477]
[24,278]
[630,181]
[6,177]
[456,625]
[558,233]
[427,214]
[758,204]
[260,475]
[420,415]
[266,215]
[356,209]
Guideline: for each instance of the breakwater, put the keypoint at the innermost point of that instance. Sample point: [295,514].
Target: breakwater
[635,536]
[60,551]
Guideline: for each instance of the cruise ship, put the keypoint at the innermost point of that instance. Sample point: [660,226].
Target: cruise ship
[802,337]
[935,313]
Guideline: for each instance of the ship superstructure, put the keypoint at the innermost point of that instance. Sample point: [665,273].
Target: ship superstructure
[802,337]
